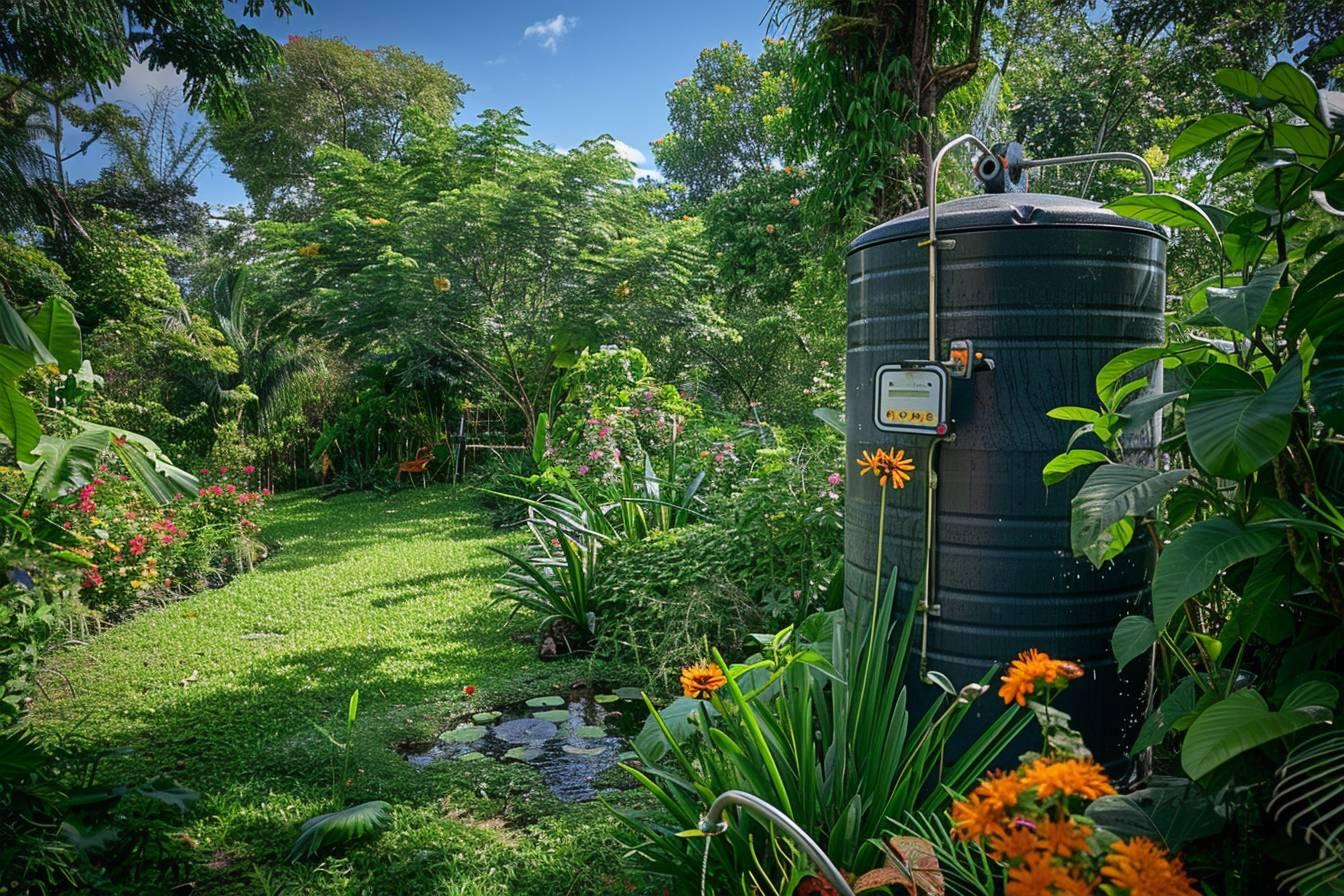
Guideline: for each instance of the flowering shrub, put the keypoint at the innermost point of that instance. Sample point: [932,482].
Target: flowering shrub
[1029,821]
[136,547]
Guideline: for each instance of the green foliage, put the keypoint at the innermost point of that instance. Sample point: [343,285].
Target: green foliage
[729,119]
[351,98]
[1250,569]
[321,832]
[817,725]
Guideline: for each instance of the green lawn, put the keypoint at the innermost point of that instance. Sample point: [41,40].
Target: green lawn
[389,595]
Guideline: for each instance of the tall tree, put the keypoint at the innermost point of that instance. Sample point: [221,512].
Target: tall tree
[728,119]
[326,92]
[871,74]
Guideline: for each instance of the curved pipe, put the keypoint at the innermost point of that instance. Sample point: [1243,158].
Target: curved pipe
[712,823]
[1096,157]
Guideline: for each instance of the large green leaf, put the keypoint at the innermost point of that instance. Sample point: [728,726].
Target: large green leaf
[1205,131]
[335,828]
[65,462]
[1131,639]
[1189,564]
[18,422]
[1327,381]
[1166,209]
[1240,307]
[54,323]
[1240,722]
[1171,811]
[1295,90]
[1173,709]
[1238,82]
[1239,154]
[1234,426]
[1114,492]
[14,363]
[1309,143]
[1316,294]
[14,331]
[1061,466]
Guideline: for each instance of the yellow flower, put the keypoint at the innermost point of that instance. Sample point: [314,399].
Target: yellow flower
[97,521]
[309,251]
[699,681]
[1031,669]
[115,548]
[1140,867]
[377,222]
[897,468]
[137,583]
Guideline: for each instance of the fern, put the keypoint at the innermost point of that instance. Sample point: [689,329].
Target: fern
[1307,797]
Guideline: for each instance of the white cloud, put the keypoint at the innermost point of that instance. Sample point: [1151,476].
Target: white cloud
[139,80]
[550,31]
[628,152]
[654,173]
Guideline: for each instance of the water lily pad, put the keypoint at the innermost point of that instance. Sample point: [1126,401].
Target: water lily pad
[584,751]
[482,718]
[591,731]
[629,693]
[473,756]
[552,715]
[606,698]
[522,754]
[464,735]
[525,731]
[542,702]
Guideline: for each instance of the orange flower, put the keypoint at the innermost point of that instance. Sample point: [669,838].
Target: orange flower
[442,284]
[1015,843]
[1142,868]
[1070,777]
[700,681]
[1064,837]
[1037,876]
[889,467]
[1000,790]
[1031,669]
[975,819]
[871,463]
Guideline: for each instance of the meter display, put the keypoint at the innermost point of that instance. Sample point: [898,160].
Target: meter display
[911,397]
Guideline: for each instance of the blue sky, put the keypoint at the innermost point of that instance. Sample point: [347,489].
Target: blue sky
[578,69]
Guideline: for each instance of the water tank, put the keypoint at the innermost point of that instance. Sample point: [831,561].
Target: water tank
[1049,288]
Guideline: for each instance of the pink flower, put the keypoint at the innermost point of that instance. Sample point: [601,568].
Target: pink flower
[223,469]
[595,454]
[615,454]
[231,488]
[205,471]
[249,469]
[137,545]
[216,490]
[647,394]
[92,578]
[265,491]
[583,470]
[604,432]
[165,539]
[833,479]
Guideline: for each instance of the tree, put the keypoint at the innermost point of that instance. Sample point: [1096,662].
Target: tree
[728,119]
[155,163]
[54,51]
[326,91]
[870,76]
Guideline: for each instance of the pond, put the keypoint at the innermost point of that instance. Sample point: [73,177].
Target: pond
[571,738]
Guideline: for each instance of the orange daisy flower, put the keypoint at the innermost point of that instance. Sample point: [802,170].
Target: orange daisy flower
[1064,837]
[1000,790]
[871,463]
[1069,777]
[1036,876]
[1140,866]
[1015,843]
[897,468]
[975,819]
[700,681]
[1031,669]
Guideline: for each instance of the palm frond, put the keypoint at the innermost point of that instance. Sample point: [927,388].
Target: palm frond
[1309,799]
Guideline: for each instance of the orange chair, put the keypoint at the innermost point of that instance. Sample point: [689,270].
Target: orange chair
[418,466]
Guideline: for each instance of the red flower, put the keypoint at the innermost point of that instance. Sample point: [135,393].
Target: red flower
[469,690]
[137,545]
[249,469]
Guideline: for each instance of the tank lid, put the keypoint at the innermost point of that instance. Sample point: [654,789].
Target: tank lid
[992,211]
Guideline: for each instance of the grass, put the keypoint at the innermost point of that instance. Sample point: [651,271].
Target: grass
[389,595]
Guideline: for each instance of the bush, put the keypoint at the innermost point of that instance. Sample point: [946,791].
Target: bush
[676,593]
[137,548]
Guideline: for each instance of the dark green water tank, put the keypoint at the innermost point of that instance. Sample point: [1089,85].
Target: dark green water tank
[1050,288]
